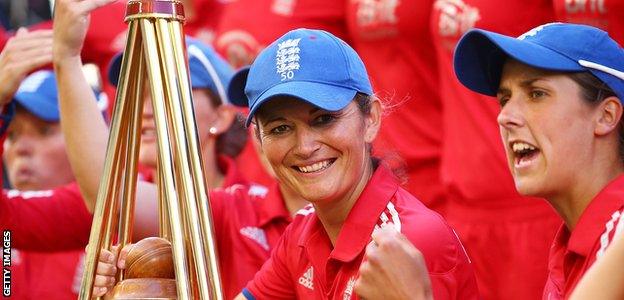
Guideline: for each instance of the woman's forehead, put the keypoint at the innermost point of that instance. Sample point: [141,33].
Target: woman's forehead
[517,73]
[23,116]
[514,67]
[285,106]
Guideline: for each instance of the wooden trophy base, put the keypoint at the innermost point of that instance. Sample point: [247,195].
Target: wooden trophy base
[144,288]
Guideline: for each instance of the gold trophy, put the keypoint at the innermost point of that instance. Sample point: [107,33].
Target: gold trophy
[186,248]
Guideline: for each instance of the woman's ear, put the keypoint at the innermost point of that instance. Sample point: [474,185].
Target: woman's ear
[609,115]
[373,120]
[226,114]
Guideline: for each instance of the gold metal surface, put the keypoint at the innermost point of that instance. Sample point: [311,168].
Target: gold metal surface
[156,48]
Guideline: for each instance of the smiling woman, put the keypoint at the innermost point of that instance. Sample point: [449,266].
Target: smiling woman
[560,87]
[315,117]
[318,153]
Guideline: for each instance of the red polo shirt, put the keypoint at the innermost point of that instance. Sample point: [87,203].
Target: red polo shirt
[572,253]
[607,15]
[249,221]
[52,220]
[394,41]
[305,265]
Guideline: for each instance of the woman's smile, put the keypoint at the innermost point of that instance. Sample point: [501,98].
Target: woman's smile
[315,167]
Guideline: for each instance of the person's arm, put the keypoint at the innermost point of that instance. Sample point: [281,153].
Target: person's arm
[604,279]
[84,128]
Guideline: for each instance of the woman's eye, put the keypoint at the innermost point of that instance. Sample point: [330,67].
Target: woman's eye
[46,131]
[11,135]
[502,101]
[537,94]
[279,129]
[324,119]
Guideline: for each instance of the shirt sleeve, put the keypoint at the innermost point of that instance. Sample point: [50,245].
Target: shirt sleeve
[450,270]
[218,197]
[53,220]
[457,283]
[274,280]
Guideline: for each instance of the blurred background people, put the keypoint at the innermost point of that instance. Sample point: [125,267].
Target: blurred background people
[394,41]
[36,160]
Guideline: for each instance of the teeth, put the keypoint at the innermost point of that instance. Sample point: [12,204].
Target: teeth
[315,167]
[519,146]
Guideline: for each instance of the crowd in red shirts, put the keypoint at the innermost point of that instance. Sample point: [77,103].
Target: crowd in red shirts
[440,139]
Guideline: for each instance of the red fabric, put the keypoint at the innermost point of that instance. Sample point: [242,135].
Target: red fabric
[57,220]
[203,25]
[574,252]
[51,220]
[3,37]
[19,288]
[607,15]
[305,265]
[231,172]
[249,220]
[247,26]
[483,205]
[393,40]
[107,34]
[54,275]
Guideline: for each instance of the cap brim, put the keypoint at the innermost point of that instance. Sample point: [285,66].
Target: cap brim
[321,95]
[236,88]
[480,56]
[42,109]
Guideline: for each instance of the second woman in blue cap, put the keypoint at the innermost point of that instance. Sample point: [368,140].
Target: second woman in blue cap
[560,88]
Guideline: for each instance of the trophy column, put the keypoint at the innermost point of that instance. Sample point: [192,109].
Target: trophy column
[156,51]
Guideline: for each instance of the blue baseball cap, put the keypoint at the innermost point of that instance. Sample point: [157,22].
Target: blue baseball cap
[208,70]
[311,65]
[560,47]
[38,94]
